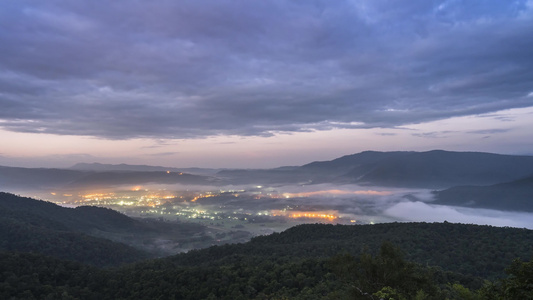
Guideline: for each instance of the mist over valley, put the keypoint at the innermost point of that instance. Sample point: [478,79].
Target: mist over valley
[234,205]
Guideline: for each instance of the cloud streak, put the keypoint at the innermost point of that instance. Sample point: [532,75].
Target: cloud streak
[164,69]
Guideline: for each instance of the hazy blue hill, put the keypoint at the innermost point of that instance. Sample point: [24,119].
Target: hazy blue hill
[110,178]
[514,196]
[36,177]
[42,178]
[30,225]
[364,160]
[138,168]
[438,169]
[119,167]
[315,172]
[431,169]
[265,176]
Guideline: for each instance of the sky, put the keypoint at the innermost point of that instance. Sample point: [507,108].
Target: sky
[259,84]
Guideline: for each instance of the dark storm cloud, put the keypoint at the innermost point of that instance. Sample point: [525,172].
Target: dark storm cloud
[185,69]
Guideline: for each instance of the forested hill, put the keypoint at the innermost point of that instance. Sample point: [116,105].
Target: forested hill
[29,225]
[40,226]
[469,249]
[81,218]
[304,262]
[313,261]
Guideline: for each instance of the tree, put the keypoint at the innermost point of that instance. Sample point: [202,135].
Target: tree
[518,285]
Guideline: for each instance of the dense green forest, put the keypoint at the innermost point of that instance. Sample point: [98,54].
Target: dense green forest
[305,262]
[41,258]
[385,275]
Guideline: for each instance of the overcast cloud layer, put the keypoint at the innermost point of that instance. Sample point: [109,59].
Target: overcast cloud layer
[184,69]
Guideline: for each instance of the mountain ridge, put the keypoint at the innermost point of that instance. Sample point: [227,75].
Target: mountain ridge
[51,178]
[138,168]
[435,169]
[515,195]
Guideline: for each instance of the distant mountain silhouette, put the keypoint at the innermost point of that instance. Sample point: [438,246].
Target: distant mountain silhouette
[36,177]
[431,169]
[284,175]
[109,178]
[438,169]
[41,178]
[348,168]
[139,168]
[314,172]
[362,162]
[514,196]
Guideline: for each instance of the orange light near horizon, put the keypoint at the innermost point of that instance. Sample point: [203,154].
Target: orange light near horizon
[97,195]
[136,188]
[312,215]
[203,196]
[326,215]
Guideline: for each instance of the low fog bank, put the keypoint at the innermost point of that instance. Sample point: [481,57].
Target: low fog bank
[423,212]
[350,203]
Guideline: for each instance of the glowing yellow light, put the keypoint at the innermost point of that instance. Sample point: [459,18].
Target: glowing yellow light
[202,196]
[168,172]
[330,215]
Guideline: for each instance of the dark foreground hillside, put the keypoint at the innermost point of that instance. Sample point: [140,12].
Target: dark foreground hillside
[304,262]
[476,250]
[29,225]
[41,241]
